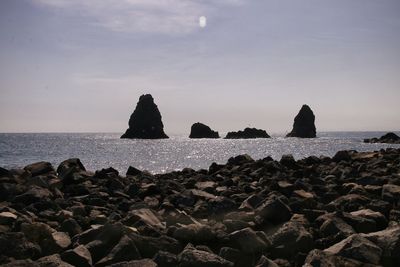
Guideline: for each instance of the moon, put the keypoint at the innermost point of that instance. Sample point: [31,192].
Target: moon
[202,22]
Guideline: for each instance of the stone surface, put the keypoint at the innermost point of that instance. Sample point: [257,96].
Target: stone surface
[247,133]
[200,130]
[145,122]
[304,124]
[389,138]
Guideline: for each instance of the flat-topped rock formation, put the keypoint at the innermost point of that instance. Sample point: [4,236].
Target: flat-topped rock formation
[317,211]
[145,122]
[200,130]
[247,134]
[389,138]
[304,124]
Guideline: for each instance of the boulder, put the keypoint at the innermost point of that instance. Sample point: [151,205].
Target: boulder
[389,138]
[52,261]
[304,124]
[322,258]
[358,248]
[273,210]
[125,250]
[39,168]
[145,122]
[194,233]
[79,256]
[135,263]
[200,130]
[17,246]
[247,133]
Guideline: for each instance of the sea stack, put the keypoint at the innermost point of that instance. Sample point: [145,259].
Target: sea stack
[200,130]
[304,124]
[145,122]
[247,134]
[389,138]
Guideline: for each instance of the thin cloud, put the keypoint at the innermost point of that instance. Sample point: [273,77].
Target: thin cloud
[148,16]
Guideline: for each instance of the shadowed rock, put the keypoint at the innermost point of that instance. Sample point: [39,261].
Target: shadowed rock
[145,122]
[389,138]
[200,130]
[247,134]
[304,124]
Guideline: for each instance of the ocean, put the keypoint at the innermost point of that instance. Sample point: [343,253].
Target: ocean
[102,150]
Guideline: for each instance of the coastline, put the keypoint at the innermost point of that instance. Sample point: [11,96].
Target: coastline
[246,212]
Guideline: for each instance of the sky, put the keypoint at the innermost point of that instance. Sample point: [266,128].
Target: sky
[81,65]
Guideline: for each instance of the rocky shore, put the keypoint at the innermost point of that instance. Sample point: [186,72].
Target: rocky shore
[318,211]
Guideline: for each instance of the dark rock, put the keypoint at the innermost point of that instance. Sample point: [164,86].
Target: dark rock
[17,246]
[389,138]
[125,250]
[39,168]
[273,210]
[79,256]
[7,218]
[68,165]
[265,262]
[191,257]
[148,246]
[358,248]
[145,122]
[199,130]
[4,172]
[321,258]
[132,171]
[135,263]
[304,124]
[195,233]
[35,194]
[165,259]
[247,133]
[52,261]
[248,241]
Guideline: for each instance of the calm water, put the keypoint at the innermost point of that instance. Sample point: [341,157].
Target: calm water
[101,150]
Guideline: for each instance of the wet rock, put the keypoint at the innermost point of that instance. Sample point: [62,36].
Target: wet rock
[304,124]
[199,130]
[145,122]
[191,257]
[358,248]
[247,133]
[79,256]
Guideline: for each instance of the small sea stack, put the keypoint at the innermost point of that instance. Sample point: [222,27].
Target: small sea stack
[304,124]
[389,138]
[247,134]
[145,122]
[200,130]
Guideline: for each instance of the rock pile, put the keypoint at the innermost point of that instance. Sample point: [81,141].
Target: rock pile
[200,130]
[145,122]
[389,138]
[318,211]
[304,124]
[247,134]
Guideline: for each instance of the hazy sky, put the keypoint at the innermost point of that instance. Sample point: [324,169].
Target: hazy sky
[81,65]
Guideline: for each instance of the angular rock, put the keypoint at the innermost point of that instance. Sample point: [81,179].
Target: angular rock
[247,133]
[79,256]
[125,250]
[145,122]
[248,241]
[321,258]
[195,233]
[200,130]
[165,259]
[17,246]
[52,261]
[191,257]
[135,263]
[273,210]
[304,124]
[358,248]
[39,168]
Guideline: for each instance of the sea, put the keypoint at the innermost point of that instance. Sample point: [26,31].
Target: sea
[103,150]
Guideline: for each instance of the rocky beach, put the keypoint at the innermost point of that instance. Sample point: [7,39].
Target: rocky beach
[317,211]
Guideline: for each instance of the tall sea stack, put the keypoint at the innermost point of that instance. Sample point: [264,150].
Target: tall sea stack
[145,122]
[304,124]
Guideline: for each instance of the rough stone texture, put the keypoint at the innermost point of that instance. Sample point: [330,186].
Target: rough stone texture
[145,122]
[247,133]
[191,257]
[304,124]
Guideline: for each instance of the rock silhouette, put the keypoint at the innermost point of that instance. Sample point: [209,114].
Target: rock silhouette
[389,138]
[145,122]
[200,130]
[247,134]
[304,124]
